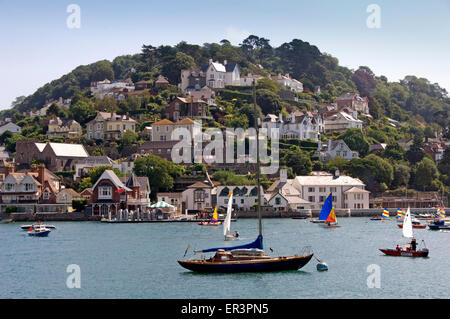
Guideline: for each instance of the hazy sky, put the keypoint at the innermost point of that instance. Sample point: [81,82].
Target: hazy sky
[36,46]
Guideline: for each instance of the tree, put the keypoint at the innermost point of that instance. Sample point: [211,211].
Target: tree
[82,111]
[299,161]
[159,171]
[268,101]
[416,153]
[172,68]
[85,183]
[355,140]
[364,80]
[425,173]
[401,175]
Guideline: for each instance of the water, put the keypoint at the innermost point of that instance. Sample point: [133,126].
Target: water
[140,261]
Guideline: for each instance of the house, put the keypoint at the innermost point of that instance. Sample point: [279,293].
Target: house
[334,148]
[436,151]
[197,197]
[4,154]
[99,88]
[347,192]
[287,82]
[63,156]
[109,126]
[68,129]
[298,125]
[215,75]
[57,156]
[66,195]
[181,107]
[282,195]
[248,79]
[205,93]
[244,197]
[35,186]
[83,166]
[10,127]
[354,102]
[162,149]
[377,147]
[172,198]
[341,121]
[87,195]
[161,82]
[111,195]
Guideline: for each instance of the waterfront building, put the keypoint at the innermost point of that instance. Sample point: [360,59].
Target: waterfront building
[245,197]
[347,192]
[198,196]
[110,194]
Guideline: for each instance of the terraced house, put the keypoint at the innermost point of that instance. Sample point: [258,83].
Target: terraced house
[67,129]
[109,126]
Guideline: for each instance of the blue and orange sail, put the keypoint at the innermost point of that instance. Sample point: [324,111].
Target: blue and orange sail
[326,208]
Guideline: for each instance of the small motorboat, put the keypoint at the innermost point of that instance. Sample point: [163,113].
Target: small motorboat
[300,217]
[27,227]
[38,230]
[439,224]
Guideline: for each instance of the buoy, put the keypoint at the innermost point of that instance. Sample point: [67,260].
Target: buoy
[321,266]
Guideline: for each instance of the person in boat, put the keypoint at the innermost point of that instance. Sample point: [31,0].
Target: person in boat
[399,248]
[413,244]
[236,234]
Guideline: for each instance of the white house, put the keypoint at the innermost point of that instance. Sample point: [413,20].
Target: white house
[298,125]
[197,196]
[347,192]
[337,148]
[244,197]
[11,127]
[288,82]
[341,121]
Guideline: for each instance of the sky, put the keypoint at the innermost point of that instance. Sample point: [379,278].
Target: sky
[37,46]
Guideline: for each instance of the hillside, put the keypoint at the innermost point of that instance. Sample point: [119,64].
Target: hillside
[409,98]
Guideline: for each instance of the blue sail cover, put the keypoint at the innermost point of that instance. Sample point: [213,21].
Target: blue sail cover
[326,208]
[258,243]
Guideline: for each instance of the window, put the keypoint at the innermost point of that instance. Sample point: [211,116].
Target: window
[333,198]
[311,198]
[322,189]
[199,196]
[333,189]
[105,192]
[28,187]
[322,198]
[278,201]
[311,189]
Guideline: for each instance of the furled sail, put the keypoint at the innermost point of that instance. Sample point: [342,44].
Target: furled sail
[258,243]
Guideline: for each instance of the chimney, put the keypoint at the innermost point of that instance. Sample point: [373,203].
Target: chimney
[336,174]
[41,173]
[9,168]
[210,61]
[283,175]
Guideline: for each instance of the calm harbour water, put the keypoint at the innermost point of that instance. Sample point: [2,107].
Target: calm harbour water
[140,261]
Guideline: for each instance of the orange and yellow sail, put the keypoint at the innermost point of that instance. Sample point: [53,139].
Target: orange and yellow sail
[331,217]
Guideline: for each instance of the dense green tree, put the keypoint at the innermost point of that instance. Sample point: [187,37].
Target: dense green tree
[355,139]
[425,173]
[269,101]
[299,161]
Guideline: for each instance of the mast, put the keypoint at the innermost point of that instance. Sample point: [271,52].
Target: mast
[257,159]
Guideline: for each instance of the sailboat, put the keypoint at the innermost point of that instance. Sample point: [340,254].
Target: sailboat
[411,249]
[249,257]
[331,221]
[227,222]
[214,222]
[384,215]
[325,211]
